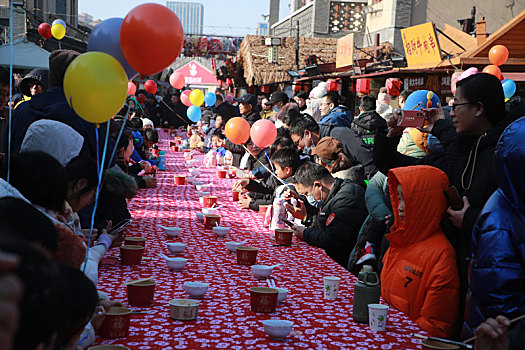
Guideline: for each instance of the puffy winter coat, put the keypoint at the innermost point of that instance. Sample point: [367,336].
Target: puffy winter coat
[419,275]
[338,116]
[497,271]
[366,124]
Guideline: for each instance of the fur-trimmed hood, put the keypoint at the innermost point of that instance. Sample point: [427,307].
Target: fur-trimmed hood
[116,181]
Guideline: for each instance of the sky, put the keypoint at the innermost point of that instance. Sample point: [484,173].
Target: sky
[221,17]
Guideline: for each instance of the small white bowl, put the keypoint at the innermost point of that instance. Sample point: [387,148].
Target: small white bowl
[232,246]
[221,231]
[203,187]
[283,293]
[197,182]
[209,211]
[200,216]
[261,271]
[172,231]
[195,172]
[196,289]
[176,264]
[176,247]
[203,193]
[277,329]
[190,179]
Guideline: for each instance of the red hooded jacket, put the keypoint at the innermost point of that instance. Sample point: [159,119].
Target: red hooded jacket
[419,275]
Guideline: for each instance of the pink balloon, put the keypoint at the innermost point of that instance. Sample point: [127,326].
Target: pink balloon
[263,133]
[185,97]
[132,88]
[177,80]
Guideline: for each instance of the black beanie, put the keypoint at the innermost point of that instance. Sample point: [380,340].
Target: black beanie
[59,60]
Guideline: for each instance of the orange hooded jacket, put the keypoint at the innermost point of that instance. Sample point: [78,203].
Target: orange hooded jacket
[419,275]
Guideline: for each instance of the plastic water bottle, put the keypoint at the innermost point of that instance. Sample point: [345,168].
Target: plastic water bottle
[162,160]
[366,291]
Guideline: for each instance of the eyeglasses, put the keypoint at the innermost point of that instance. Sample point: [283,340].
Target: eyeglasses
[296,143]
[454,105]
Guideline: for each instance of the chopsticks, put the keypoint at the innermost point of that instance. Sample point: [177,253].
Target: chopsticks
[446,341]
[137,281]
[511,321]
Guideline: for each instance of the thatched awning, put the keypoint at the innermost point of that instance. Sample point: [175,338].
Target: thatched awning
[253,57]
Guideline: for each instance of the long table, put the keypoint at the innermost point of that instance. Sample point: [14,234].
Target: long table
[225,320]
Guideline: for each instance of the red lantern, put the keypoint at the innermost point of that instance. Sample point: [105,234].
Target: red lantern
[393,86]
[297,87]
[229,82]
[265,89]
[363,86]
[331,85]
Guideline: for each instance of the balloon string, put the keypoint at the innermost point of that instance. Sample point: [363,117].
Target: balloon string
[265,167]
[173,111]
[99,186]
[10,98]
[119,136]
[269,160]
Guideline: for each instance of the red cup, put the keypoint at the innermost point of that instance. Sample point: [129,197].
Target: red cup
[263,209]
[283,236]
[116,323]
[131,254]
[246,255]
[232,175]
[140,241]
[221,174]
[210,220]
[141,293]
[180,180]
[235,196]
[173,143]
[263,299]
[175,148]
[209,201]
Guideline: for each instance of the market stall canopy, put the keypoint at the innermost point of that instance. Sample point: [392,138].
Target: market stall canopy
[451,38]
[26,55]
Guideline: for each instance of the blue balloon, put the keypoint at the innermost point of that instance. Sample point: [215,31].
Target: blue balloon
[509,88]
[210,99]
[418,99]
[105,37]
[194,113]
[59,21]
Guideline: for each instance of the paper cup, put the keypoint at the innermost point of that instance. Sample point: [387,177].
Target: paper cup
[116,323]
[221,174]
[211,220]
[141,293]
[184,309]
[246,255]
[263,209]
[263,299]
[131,254]
[209,201]
[235,196]
[377,315]
[283,236]
[331,287]
[180,180]
[108,347]
[140,241]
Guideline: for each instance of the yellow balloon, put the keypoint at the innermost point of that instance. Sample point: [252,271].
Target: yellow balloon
[430,95]
[197,97]
[58,31]
[96,86]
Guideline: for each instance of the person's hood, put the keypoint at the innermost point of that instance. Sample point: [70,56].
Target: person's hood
[369,120]
[423,189]
[120,183]
[384,110]
[509,159]
[339,116]
[39,74]
[355,173]
[54,138]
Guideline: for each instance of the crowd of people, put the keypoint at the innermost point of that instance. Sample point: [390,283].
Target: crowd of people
[438,210]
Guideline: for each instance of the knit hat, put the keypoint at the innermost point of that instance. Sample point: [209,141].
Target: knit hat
[328,148]
[383,97]
[59,60]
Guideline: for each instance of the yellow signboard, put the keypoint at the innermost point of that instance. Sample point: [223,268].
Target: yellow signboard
[421,44]
[345,51]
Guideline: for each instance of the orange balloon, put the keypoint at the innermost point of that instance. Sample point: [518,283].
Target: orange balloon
[498,55]
[237,130]
[492,69]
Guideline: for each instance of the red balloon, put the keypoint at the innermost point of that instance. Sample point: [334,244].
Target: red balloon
[185,97]
[498,55]
[263,133]
[151,38]
[132,88]
[493,69]
[44,29]
[177,80]
[141,98]
[150,86]
[237,130]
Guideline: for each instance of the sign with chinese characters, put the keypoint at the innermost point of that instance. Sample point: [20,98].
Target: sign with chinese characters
[415,83]
[196,74]
[421,44]
[345,51]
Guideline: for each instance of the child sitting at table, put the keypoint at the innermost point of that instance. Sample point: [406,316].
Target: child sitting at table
[285,161]
[216,155]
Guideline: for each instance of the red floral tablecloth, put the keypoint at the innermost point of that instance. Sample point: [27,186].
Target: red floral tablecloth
[225,320]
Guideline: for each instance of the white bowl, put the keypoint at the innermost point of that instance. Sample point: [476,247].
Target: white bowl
[201,201]
[261,271]
[172,231]
[277,329]
[196,289]
[209,211]
[176,263]
[195,172]
[190,179]
[232,246]
[203,193]
[283,293]
[200,216]
[221,231]
[203,187]
[197,182]
[176,247]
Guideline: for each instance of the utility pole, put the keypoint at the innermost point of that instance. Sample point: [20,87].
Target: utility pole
[297,46]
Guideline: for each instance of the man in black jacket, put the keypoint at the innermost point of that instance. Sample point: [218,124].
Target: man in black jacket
[368,120]
[333,213]
[306,133]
